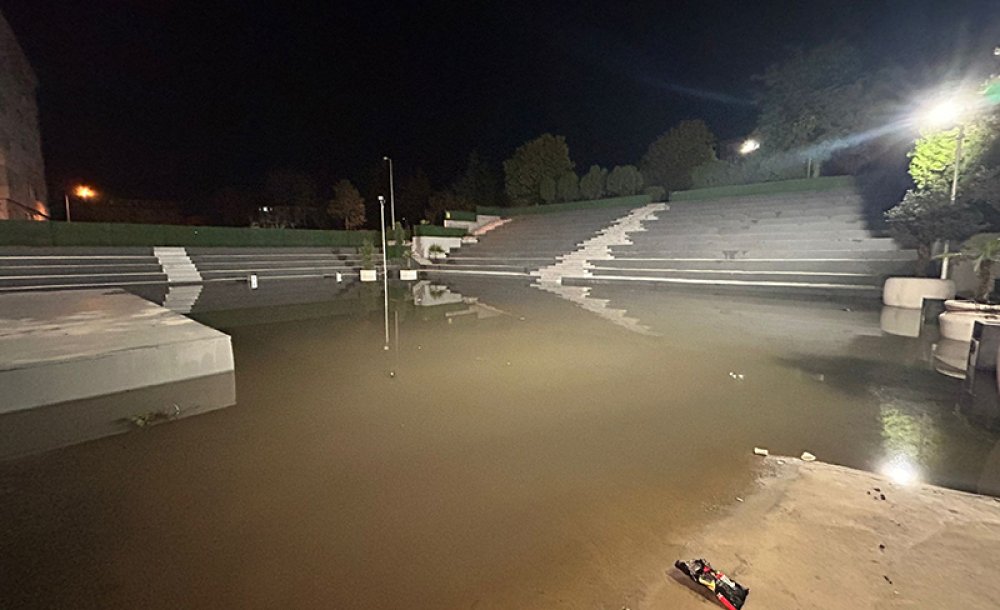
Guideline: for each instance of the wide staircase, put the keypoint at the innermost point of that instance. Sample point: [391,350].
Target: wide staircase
[800,242]
[28,268]
[528,243]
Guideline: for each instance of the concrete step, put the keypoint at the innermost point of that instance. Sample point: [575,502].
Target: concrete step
[627,252]
[816,277]
[497,266]
[28,261]
[285,271]
[720,244]
[872,266]
[254,264]
[81,269]
[808,233]
[765,288]
[20,281]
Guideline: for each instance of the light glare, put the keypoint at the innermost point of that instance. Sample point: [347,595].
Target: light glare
[748,146]
[84,192]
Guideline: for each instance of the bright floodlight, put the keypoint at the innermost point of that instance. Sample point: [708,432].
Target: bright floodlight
[943,114]
[84,192]
[748,146]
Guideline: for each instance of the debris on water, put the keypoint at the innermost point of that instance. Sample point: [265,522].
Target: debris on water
[887,579]
[508,363]
[881,547]
[807,457]
[881,496]
[848,309]
[420,347]
[522,318]
[761,451]
[739,499]
[392,374]
[736,376]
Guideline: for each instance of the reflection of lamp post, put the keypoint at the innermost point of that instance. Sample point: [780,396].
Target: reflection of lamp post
[943,114]
[81,192]
[392,194]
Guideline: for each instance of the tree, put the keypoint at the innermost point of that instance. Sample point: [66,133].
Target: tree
[926,216]
[347,205]
[547,189]
[823,102]
[671,157]
[479,183]
[592,183]
[412,195]
[568,187]
[932,160]
[624,180]
[547,156]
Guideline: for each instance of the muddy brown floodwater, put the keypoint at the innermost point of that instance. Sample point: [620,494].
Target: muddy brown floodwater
[513,451]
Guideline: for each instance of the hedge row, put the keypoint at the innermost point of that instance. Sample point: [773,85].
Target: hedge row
[460,215]
[436,231]
[825,183]
[31,233]
[612,202]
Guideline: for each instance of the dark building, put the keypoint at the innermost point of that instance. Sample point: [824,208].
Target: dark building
[22,171]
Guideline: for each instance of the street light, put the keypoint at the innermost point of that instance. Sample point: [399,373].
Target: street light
[81,192]
[385,271]
[392,194]
[748,146]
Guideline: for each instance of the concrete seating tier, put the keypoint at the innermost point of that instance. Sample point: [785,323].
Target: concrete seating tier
[23,268]
[810,241]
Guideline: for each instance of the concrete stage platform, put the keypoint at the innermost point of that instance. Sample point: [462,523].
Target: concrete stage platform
[58,347]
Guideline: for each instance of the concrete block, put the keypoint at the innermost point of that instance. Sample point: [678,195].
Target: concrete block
[910,292]
[62,346]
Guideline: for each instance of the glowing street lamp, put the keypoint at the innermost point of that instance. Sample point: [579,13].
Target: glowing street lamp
[392,194]
[748,146]
[80,192]
[945,114]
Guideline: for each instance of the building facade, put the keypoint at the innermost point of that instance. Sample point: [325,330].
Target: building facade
[22,171]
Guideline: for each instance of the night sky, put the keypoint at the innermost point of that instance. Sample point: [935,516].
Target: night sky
[174,99]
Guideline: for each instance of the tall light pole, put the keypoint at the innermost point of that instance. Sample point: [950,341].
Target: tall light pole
[82,192]
[949,112]
[392,194]
[385,272]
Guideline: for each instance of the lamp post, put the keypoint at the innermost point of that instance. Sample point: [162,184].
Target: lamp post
[82,192]
[949,112]
[385,272]
[392,194]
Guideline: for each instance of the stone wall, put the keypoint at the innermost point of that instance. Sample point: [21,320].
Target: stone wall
[22,172]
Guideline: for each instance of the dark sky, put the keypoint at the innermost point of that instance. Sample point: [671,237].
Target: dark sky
[172,98]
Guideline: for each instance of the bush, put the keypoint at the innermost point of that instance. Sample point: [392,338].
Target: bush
[925,216]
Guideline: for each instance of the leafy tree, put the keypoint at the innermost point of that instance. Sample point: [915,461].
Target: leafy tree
[347,205]
[592,183]
[568,187]
[671,157]
[547,189]
[547,156]
[812,101]
[925,216]
[479,183]
[932,160]
[624,180]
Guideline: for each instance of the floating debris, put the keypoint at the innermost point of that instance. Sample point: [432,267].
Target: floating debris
[761,451]
[807,457]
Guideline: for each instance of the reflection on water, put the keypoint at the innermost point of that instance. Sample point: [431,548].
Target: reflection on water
[513,449]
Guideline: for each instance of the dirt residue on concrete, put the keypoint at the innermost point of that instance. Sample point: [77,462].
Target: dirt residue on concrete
[822,536]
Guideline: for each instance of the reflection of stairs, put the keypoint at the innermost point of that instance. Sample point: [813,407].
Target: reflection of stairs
[581,296]
[177,265]
[182,298]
